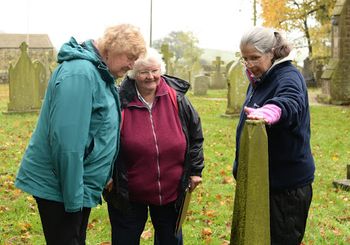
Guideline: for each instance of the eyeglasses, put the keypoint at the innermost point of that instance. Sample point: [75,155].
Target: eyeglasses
[154,72]
[250,61]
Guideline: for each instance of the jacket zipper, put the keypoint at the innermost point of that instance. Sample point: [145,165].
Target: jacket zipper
[157,152]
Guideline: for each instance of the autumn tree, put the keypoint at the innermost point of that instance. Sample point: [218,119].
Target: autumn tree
[310,17]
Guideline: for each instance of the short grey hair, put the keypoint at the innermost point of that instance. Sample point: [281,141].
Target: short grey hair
[151,56]
[266,40]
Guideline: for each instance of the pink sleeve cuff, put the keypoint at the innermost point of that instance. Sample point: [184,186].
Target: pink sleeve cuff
[272,113]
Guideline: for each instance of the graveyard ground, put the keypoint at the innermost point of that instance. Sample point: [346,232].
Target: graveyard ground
[209,218]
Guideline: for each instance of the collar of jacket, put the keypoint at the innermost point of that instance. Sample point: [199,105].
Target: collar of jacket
[127,90]
[266,76]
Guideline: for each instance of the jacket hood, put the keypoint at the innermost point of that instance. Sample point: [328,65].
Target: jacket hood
[181,86]
[128,91]
[72,50]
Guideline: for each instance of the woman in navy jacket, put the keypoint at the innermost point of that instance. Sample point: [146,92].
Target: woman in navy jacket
[278,95]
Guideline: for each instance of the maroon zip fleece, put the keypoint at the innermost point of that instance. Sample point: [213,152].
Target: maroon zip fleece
[153,146]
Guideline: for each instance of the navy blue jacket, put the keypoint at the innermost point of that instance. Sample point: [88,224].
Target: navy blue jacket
[291,163]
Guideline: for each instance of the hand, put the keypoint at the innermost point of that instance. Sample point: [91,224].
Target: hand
[253,114]
[109,185]
[270,113]
[194,181]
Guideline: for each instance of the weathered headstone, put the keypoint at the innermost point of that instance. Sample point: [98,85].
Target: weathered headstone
[24,80]
[336,78]
[195,70]
[167,56]
[41,75]
[344,183]
[308,73]
[218,80]
[251,213]
[237,83]
[201,85]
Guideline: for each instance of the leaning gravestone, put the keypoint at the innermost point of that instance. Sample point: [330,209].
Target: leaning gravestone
[201,85]
[237,84]
[218,80]
[24,85]
[336,78]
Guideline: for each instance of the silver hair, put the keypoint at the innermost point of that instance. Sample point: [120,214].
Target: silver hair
[152,56]
[266,40]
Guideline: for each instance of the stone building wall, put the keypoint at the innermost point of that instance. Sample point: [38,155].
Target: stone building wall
[340,82]
[336,77]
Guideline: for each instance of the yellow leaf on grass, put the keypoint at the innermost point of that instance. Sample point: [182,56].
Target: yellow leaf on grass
[24,227]
[206,232]
[227,180]
[3,209]
[210,213]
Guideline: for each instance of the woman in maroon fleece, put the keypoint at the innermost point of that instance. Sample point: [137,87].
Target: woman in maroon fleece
[161,153]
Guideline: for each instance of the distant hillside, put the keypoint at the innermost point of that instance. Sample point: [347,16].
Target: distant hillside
[210,55]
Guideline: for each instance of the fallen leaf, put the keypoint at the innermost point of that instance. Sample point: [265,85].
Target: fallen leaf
[24,227]
[206,232]
[227,180]
[225,242]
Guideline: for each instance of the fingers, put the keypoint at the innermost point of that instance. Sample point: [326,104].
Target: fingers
[253,114]
[248,110]
[109,185]
[194,182]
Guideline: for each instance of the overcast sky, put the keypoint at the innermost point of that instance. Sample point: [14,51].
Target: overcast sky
[217,24]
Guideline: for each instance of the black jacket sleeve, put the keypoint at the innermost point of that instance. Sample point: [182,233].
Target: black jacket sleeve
[195,138]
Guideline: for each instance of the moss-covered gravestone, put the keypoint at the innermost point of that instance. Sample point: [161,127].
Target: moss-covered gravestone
[25,91]
[237,83]
[251,213]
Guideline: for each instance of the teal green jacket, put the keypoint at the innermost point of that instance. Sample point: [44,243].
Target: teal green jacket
[69,157]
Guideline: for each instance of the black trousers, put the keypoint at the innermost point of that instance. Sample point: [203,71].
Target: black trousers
[128,227]
[288,214]
[61,227]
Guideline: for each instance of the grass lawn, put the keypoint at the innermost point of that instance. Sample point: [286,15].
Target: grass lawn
[209,218]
